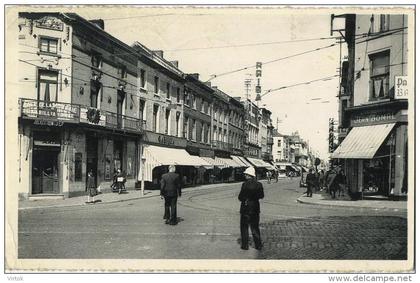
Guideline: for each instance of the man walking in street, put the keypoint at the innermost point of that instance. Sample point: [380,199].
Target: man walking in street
[310,182]
[251,192]
[170,189]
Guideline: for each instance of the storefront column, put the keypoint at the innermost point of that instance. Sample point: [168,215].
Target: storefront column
[401,138]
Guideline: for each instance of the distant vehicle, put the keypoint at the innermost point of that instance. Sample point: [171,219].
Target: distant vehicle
[302,182]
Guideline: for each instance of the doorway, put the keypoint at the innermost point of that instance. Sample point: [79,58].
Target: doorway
[92,157]
[45,170]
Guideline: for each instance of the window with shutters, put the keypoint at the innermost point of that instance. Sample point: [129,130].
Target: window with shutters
[379,75]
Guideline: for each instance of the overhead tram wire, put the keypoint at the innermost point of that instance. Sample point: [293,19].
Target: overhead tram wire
[271,61]
[298,84]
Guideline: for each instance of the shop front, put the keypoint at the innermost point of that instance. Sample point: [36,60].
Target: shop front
[374,153]
[159,151]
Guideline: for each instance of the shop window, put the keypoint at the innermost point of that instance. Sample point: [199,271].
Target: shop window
[142,78]
[379,75]
[47,85]
[48,45]
[78,162]
[156,85]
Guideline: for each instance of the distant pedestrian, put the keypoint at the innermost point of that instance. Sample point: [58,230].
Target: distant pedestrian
[341,182]
[251,192]
[120,181]
[170,190]
[268,176]
[321,180]
[276,175]
[310,183]
[90,187]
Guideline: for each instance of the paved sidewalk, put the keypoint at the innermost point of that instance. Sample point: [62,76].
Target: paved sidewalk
[109,197]
[323,198]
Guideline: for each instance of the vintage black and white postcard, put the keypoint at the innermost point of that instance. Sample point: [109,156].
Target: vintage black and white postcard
[260,138]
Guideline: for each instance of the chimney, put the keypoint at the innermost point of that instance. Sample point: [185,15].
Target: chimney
[175,63]
[195,75]
[158,53]
[208,84]
[99,23]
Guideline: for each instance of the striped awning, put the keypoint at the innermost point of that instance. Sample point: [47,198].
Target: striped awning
[214,162]
[157,156]
[229,162]
[244,161]
[260,163]
[363,142]
[239,161]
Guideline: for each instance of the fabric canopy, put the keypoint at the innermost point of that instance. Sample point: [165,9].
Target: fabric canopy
[157,156]
[239,161]
[260,163]
[229,162]
[363,142]
[214,162]
[243,160]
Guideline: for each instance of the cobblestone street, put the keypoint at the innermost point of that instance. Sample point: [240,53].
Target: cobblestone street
[355,237]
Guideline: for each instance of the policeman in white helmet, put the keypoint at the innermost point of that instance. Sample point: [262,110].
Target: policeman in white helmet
[251,192]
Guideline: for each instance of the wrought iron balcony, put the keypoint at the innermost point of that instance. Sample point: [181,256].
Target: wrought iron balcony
[50,112]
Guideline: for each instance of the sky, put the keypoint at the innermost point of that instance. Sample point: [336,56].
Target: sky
[304,108]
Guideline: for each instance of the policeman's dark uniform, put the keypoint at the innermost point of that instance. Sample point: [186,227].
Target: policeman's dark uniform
[170,189]
[251,192]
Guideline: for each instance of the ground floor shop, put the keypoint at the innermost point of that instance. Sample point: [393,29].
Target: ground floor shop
[54,158]
[374,154]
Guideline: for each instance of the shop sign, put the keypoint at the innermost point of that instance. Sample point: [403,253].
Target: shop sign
[52,123]
[160,139]
[49,22]
[373,118]
[401,87]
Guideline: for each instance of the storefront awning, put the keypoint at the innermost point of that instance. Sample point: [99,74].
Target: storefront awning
[214,162]
[238,160]
[363,142]
[243,160]
[229,162]
[157,156]
[260,163]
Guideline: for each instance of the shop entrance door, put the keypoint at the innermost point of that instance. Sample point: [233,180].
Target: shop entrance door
[45,171]
[92,157]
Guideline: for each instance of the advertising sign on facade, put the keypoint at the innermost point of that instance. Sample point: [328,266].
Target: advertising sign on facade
[401,87]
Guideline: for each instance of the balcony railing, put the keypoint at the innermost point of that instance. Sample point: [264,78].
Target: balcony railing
[75,113]
[221,145]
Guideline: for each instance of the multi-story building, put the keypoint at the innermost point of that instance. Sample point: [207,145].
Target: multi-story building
[236,125]
[78,105]
[266,135]
[252,147]
[280,148]
[374,152]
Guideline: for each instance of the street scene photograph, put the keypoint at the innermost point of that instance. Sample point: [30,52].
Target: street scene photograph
[210,133]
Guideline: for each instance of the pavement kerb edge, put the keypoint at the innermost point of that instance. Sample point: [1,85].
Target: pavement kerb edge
[347,206]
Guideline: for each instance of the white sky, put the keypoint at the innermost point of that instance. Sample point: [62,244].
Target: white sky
[203,27]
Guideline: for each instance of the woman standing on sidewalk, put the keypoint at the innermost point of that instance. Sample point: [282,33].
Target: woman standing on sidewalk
[251,192]
[90,187]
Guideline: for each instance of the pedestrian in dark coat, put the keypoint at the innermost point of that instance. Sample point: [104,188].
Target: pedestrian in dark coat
[90,187]
[251,192]
[310,182]
[170,189]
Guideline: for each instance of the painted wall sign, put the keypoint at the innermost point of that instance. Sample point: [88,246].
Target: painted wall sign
[160,139]
[373,118]
[401,87]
